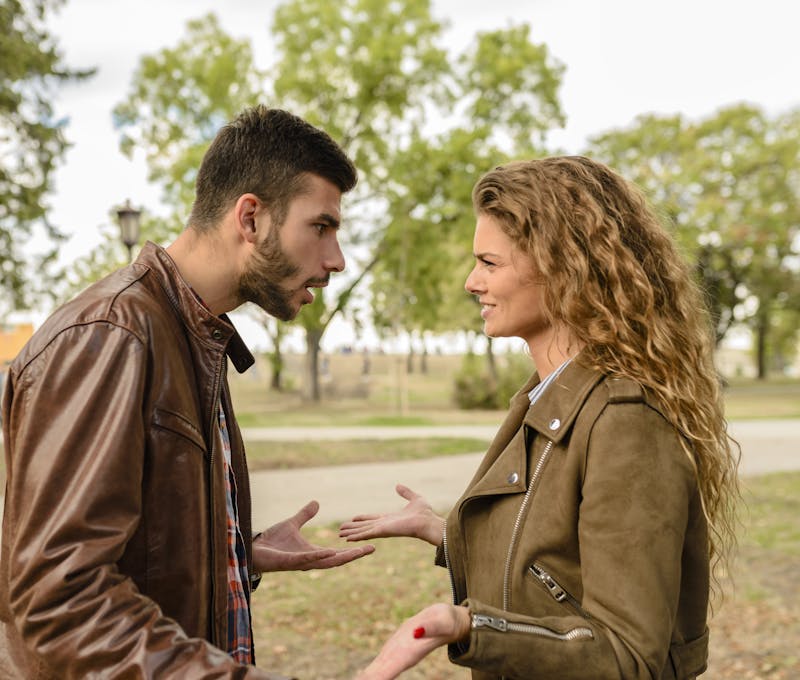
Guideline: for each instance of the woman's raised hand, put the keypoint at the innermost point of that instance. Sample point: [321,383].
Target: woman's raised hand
[416,520]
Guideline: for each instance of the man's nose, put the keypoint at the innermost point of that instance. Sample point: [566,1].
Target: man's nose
[334,258]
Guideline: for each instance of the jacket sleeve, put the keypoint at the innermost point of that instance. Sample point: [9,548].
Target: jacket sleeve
[636,493]
[76,434]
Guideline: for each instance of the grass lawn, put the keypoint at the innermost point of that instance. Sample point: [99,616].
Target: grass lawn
[388,396]
[283,455]
[349,399]
[326,625]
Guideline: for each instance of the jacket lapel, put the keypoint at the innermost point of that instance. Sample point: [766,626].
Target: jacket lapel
[504,468]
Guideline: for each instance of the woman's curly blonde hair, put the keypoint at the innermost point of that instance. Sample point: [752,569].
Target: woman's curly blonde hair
[616,280]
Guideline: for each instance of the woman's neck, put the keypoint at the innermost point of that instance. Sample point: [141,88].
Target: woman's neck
[549,352]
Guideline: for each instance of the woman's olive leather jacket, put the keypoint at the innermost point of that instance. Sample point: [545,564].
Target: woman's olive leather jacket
[580,545]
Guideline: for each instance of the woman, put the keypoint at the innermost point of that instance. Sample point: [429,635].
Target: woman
[583,546]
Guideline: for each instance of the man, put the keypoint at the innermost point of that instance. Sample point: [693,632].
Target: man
[126,545]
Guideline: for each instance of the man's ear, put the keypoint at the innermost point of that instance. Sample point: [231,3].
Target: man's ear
[246,211]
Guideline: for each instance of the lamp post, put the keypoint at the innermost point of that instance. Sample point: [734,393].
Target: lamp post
[128,218]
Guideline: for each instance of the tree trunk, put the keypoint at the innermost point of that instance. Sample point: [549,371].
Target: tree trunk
[762,325]
[276,363]
[275,331]
[312,390]
[490,359]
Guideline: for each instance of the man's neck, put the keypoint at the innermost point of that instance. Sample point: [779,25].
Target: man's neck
[205,263]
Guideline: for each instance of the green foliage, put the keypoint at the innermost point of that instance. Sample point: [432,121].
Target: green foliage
[501,101]
[363,70]
[109,254]
[476,388]
[729,185]
[366,72]
[513,372]
[32,142]
[510,86]
[179,98]
[770,510]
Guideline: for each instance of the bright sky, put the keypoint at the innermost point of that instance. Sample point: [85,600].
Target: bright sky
[622,57]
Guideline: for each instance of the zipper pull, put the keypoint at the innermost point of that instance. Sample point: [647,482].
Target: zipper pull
[483,621]
[558,593]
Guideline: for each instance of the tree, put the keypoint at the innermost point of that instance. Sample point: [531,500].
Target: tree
[504,99]
[367,72]
[32,141]
[729,187]
[178,100]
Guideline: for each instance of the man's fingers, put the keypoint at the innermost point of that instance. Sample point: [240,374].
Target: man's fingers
[314,552]
[305,513]
[344,556]
[314,555]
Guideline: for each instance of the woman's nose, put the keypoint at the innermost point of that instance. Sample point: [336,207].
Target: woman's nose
[471,285]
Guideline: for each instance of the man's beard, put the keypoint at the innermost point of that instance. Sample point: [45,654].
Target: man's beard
[262,281]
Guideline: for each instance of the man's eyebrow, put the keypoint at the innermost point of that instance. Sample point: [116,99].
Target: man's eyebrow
[327,218]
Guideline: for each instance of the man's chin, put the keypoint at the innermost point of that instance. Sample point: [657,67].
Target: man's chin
[282,313]
[287,315]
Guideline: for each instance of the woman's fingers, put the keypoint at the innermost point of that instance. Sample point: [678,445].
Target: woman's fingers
[406,493]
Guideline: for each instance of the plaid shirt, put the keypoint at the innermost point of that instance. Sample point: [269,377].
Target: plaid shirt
[240,633]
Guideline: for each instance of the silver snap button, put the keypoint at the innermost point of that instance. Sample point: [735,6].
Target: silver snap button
[555,423]
[216,334]
[513,478]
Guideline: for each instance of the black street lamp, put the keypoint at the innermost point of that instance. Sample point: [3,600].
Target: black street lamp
[128,218]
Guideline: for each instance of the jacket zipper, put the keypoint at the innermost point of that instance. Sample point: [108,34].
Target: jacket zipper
[216,404]
[555,589]
[447,565]
[531,485]
[504,626]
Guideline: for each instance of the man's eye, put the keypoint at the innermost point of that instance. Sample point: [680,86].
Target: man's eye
[320,227]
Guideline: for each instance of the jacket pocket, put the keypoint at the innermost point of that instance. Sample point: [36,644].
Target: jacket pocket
[545,580]
[179,425]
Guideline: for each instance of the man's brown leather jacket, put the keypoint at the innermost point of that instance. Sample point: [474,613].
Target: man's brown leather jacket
[114,559]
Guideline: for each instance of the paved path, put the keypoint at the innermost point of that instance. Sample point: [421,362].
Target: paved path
[343,491]
[767,446]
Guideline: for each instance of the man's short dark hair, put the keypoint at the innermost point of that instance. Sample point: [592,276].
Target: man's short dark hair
[266,152]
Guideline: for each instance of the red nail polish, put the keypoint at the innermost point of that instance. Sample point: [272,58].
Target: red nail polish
[419,632]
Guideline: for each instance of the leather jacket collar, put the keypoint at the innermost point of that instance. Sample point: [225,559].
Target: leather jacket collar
[204,325]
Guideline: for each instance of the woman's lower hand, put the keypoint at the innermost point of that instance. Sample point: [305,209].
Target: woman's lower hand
[434,626]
